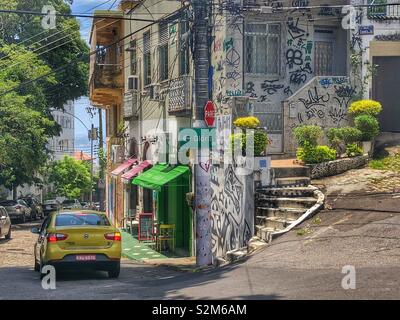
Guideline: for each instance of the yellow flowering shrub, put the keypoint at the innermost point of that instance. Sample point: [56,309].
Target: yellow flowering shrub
[247,123]
[370,107]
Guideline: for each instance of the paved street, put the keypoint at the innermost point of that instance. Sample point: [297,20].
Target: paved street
[293,267]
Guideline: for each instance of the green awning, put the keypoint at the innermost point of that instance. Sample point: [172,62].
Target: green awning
[159,175]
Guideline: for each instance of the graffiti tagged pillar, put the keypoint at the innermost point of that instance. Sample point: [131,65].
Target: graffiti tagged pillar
[203,209]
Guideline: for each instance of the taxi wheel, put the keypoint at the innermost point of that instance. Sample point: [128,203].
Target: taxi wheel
[8,235]
[36,266]
[114,272]
[40,270]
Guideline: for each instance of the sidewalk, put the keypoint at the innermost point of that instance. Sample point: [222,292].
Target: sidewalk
[139,251]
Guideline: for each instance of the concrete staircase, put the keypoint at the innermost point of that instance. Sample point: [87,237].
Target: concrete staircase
[286,203]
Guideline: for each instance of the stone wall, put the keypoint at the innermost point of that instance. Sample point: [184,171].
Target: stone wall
[332,168]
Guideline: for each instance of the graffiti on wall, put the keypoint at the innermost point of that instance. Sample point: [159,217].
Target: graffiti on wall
[326,101]
[231,219]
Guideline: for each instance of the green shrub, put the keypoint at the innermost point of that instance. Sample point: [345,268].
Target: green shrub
[315,154]
[308,135]
[368,125]
[261,142]
[335,137]
[353,150]
[350,134]
[360,107]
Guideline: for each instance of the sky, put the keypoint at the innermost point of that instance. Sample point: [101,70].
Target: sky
[81,134]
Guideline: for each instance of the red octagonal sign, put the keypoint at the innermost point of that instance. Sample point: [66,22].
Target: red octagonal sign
[209,114]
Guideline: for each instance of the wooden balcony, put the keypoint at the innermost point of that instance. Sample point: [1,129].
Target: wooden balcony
[106,80]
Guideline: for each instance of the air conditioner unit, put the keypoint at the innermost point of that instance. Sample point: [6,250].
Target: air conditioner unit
[130,106]
[133,83]
[117,154]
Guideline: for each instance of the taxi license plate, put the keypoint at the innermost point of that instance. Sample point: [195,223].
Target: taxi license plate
[86,257]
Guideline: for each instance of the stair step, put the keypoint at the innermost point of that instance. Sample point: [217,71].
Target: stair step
[285,213]
[276,202]
[264,233]
[293,181]
[274,223]
[285,192]
[285,172]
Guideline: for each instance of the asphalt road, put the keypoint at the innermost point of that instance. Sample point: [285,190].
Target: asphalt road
[293,267]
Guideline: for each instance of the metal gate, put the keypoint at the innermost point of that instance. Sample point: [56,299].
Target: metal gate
[385,89]
[270,116]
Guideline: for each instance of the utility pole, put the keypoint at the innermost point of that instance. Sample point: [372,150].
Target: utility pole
[201,93]
[101,175]
[91,135]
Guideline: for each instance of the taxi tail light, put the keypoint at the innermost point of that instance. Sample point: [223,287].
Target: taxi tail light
[115,236]
[54,237]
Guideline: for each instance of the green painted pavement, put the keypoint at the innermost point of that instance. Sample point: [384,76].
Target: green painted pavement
[135,250]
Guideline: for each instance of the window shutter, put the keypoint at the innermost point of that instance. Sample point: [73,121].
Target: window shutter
[164,33]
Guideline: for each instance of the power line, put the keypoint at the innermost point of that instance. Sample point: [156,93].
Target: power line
[72,15]
[77,59]
[34,36]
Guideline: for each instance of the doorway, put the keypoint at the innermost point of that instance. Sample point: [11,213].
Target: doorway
[385,89]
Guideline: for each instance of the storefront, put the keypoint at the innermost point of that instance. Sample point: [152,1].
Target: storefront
[169,186]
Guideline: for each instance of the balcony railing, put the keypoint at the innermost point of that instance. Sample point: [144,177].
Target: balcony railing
[107,76]
[180,95]
[384,11]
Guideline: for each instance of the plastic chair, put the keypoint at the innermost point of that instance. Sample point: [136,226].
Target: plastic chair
[166,234]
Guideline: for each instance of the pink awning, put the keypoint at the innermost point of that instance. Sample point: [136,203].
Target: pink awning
[126,165]
[137,169]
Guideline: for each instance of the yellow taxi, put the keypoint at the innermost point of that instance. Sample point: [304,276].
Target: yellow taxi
[77,239]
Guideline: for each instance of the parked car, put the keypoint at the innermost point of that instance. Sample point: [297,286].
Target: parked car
[50,206]
[97,206]
[17,209]
[86,205]
[71,204]
[5,224]
[75,239]
[36,206]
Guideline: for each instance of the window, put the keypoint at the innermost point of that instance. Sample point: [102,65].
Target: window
[263,46]
[81,219]
[184,47]
[163,51]
[133,51]
[146,58]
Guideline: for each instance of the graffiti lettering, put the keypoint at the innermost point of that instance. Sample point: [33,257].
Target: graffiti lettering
[314,99]
[228,44]
[300,75]
[294,57]
[233,75]
[337,115]
[234,93]
[270,87]
[344,91]
[233,59]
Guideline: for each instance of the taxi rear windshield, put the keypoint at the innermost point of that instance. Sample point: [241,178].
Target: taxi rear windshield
[79,219]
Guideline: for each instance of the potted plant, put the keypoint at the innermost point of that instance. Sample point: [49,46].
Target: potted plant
[369,127]
[365,114]
[259,136]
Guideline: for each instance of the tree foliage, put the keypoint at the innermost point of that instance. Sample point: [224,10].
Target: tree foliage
[39,71]
[71,178]
[56,47]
